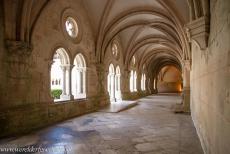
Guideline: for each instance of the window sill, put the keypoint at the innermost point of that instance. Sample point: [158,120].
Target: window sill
[77,100]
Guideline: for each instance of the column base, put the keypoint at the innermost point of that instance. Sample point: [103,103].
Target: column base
[130,95]
[184,107]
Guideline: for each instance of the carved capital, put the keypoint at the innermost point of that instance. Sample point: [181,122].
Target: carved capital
[18,48]
[198,31]
[18,61]
[69,67]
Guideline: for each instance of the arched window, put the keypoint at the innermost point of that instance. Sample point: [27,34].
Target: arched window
[79,77]
[143,80]
[133,81]
[59,73]
[71,27]
[110,84]
[118,84]
[144,83]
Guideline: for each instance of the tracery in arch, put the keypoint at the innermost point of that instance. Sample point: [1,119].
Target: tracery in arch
[59,75]
[79,77]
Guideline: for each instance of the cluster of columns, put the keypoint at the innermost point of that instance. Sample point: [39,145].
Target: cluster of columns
[133,81]
[68,91]
[114,85]
[66,82]
[79,85]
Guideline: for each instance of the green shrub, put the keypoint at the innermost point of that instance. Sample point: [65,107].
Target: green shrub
[56,93]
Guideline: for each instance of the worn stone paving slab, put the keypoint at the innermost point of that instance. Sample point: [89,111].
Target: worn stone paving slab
[116,107]
[148,128]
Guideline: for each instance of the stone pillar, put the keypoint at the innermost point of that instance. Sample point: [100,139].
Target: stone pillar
[125,89]
[18,59]
[155,91]
[18,75]
[139,82]
[69,82]
[102,92]
[63,80]
[152,89]
[101,78]
[118,87]
[139,90]
[112,87]
[84,80]
[186,86]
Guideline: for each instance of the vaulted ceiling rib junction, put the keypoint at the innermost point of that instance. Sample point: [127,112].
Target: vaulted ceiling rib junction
[152,30]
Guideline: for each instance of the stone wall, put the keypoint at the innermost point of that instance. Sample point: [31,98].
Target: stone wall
[210,83]
[26,103]
[2,54]
[169,80]
[169,87]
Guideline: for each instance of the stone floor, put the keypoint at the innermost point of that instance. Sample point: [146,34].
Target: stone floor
[116,107]
[150,127]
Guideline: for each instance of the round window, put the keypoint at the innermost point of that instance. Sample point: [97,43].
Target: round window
[71,27]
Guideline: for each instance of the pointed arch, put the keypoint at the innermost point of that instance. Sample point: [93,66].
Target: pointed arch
[79,77]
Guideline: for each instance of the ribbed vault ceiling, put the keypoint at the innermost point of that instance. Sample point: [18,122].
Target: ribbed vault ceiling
[152,30]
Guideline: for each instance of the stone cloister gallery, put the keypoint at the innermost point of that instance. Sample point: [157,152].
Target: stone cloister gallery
[115,76]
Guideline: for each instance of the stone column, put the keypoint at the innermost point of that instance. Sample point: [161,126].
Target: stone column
[103,95]
[50,63]
[18,63]
[152,90]
[186,86]
[155,85]
[84,80]
[139,76]
[112,87]
[118,87]
[139,83]
[69,82]
[125,85]
[63,95]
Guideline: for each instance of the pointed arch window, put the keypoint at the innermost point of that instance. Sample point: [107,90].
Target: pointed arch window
[59,73]
[133,81]
[111,82]
[79,77]
[118,84]
[143,82]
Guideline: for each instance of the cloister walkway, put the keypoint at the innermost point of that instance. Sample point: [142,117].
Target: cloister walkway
[149,127]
